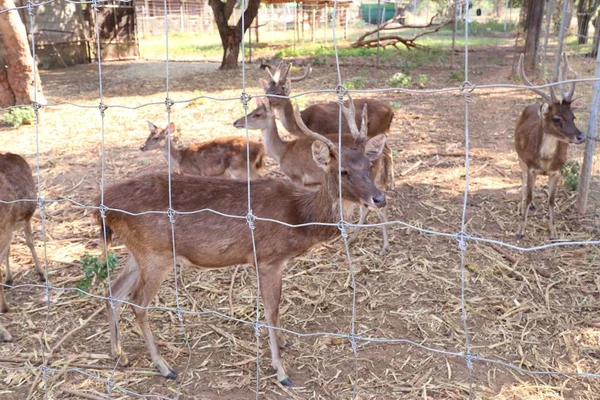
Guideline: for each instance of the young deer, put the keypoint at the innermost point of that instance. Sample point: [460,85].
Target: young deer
[225,156]
[209,240]
[542,137]
[17,205]
[323,118]
[295,157]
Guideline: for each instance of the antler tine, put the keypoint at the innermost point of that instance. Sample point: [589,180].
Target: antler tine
[568,96]
[350,114]
[307,71]
[310,133]
[364,122]
[275,76]
[268,68]
[286,70]
[524,78]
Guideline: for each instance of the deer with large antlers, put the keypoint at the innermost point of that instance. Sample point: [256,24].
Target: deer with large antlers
[542,137]
[207,239]
[17,205]
[295,157]
[324,117]
[225,156]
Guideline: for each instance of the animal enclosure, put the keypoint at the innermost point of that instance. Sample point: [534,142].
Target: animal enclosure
[457,307]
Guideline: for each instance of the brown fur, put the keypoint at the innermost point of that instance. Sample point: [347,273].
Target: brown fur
[16,183]
[224,156]
[208,240]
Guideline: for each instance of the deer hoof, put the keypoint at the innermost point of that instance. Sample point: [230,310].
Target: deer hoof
[531,207]
[9,282]
[286,382]
[519,236]
[4,309]
[172,374]
[4,335]
[123,360]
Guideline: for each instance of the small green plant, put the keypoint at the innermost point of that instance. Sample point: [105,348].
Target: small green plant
[18,116]
[197,102]
[358,82]
[570,173]
[95,270]
[320,60]
[301,101]
[516,78]
[400,79]
[422,80]
[395,105]
[457,76]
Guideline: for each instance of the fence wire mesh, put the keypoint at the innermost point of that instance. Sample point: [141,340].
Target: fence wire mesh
[467,90]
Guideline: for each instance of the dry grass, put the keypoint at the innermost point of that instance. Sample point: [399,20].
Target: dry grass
[535,310]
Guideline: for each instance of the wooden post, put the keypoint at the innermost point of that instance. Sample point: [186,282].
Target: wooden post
[590,144]
[314,22]
[326,18]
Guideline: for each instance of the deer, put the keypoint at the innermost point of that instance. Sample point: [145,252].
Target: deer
[211,240]
[543,134]
[323,118]
[17,205]
[295,157]
[225,156]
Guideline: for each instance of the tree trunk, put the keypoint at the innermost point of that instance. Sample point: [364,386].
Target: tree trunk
[583,22]
[231,36]
[533,27]
[19,62]
[596,38]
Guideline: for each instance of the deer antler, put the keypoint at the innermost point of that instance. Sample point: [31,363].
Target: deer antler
[310,133]
[350,114]
[552,98]
[307,71]
[567,96]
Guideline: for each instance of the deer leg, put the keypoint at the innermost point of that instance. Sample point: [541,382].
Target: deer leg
[153,273]
[383,218]
[29,241]
[270,290]
[362,218]
[8,279]
[120,289]
[527,201]
[4,335]
[4,248]
[552,184]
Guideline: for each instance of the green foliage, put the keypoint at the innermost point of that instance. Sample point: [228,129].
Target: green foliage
[301,101]
[197,102]
[422,80]
[400,79]
[457,76]
[95,270]
[357,82]
[18,116]
[516,78]
[570,173]
[395,105]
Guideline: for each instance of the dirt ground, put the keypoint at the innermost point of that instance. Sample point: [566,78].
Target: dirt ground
[535,310]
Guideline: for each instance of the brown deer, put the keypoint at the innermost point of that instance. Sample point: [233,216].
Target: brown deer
[295,157]
[209,240]
[17,205]
[225,156]
[542,137]
[323,118]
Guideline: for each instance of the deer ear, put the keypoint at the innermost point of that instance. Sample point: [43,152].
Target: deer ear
[543,110]
[259,101]
[171,127]
[151,126]
[374,146]
[321,154]
[288,86]
[264,84]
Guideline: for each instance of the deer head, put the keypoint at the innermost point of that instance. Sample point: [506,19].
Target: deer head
[157,136]
[355,161]
[279,83]
[557,116]
[258,118]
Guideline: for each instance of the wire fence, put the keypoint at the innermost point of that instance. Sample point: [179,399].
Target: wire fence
[468,90]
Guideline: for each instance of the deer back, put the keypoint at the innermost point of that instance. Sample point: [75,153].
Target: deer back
[16,183]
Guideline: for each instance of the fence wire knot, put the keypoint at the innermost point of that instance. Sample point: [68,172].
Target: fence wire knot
[168,104]
[179,312]
[111,302]
[44,370]
[30,7]
[95,5]
[171,214]
[343,227]
[36,107]
[40,203]
[245,99]
[250,220]
[257,327]
[462,238]
[341,91]
[352,339]
[468,359]
[109,386]
[102,210]
[466,88]
[102,107]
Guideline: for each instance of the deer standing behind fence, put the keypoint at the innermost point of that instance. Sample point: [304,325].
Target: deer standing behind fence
[209,240]
[17,205]
[295,157]
[225,156]
[323,118]
[542,137]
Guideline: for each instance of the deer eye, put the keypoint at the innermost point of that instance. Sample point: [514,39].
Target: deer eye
[556,120]
[344,174]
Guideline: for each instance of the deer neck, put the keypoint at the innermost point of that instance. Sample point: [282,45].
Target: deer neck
[175,153]
[286,116]
[274,145]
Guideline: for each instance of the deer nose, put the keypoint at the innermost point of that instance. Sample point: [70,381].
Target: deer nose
[580,138]
[379,200]
[143,148]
